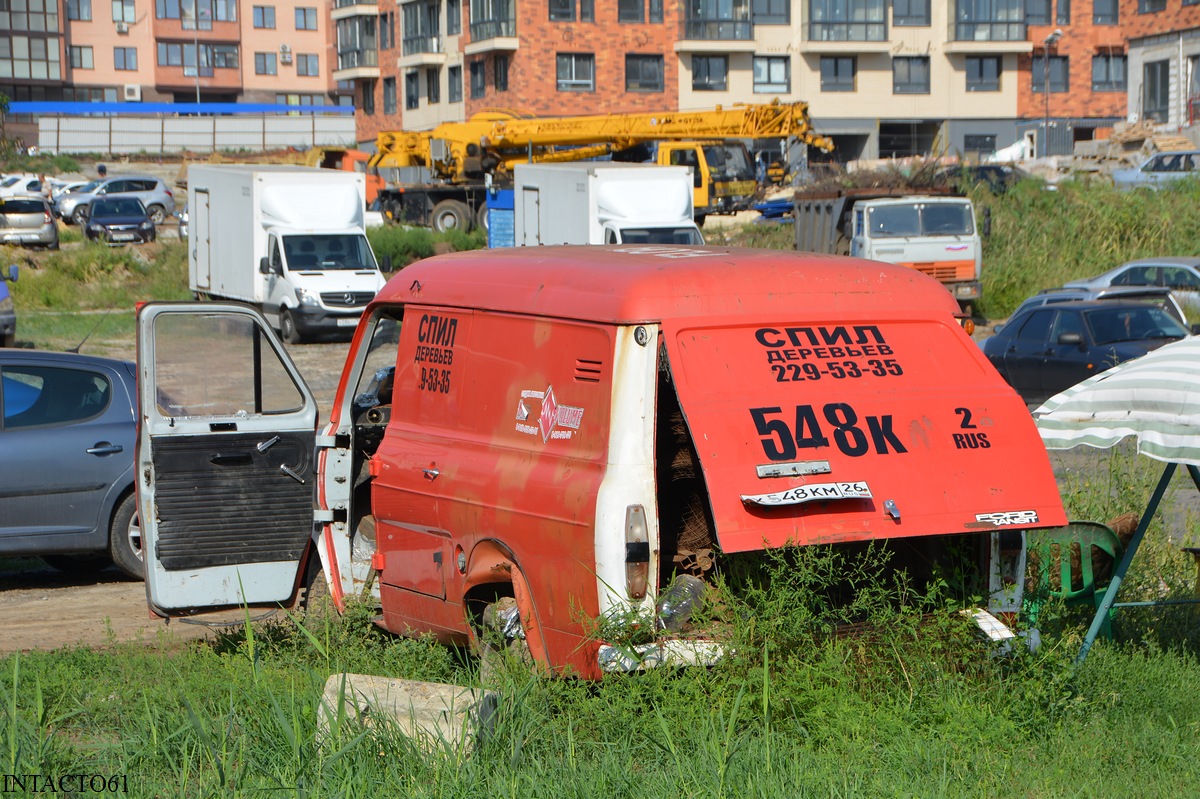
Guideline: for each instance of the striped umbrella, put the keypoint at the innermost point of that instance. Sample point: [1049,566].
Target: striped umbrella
[1155,398]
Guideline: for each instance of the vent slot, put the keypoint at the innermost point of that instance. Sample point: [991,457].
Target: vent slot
[588,371]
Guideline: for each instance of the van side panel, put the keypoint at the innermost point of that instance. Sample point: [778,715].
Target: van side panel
[515,424]
[820,429]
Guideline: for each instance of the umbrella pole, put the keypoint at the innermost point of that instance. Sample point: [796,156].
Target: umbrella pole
[1110,594]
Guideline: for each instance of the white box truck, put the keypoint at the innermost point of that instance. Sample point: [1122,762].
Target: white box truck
[602,202]
[287,239]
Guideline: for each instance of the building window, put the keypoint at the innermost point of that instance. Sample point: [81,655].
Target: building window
[454,84]
[124,11]
[264,17]
[1105,12]
[983,73]
[1059,73]
[1151,6]
[453,17]
[1108,72]
[990,21]
[500,70]
[412,90]
[847,21]
[710,73]
[771,12]
[1063,17]
[433,86]
[575,72]
[1156,90]
[910,13]
[79,9]
[306,19]
[1037,12]
[643,73]
[656,10]
[125,58]
[265,64]
[772,74]
[308,65]
[81,57]
[910,75]
[564,10]
[631,11]
[837,73]
[389,95]
[368,97]
[387,30]
[196,14]
[979,144]
[478,79]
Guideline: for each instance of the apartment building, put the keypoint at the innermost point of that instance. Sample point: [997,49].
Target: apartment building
[169,51]
[1164,60]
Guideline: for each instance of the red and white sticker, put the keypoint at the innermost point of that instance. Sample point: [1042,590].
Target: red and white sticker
[554,421]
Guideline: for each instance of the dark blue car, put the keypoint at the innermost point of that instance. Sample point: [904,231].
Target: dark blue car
[119,220]
[1043,350]
[67,439]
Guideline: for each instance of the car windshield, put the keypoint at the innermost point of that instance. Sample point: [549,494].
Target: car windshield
[921,219]
[328,251]
[729,161]
[10,182]
[1110,326]
[86,188]
[661,235]
[22,207]
[125,206]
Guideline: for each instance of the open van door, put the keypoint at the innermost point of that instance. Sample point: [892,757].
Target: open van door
[225,458]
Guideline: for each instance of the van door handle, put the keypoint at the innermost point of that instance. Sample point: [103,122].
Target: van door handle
[104,448]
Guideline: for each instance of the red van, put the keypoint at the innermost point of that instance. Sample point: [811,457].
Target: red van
[567,430]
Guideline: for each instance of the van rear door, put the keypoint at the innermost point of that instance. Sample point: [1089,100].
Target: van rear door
[829,430]
[225,458]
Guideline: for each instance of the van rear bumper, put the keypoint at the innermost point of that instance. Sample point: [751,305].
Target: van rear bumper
[671,652]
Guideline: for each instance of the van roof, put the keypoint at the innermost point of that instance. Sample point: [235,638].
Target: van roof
[630,284]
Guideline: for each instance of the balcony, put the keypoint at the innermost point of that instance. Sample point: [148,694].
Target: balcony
[715,35]
[352,64]
[492,34]
[168,78]
[420,51]
[343,9]
[988,36]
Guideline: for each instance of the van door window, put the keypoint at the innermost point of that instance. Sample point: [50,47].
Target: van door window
[276,259]
[610,237]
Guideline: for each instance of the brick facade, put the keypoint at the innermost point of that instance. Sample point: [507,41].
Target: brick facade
[1081,40]
[1175,17]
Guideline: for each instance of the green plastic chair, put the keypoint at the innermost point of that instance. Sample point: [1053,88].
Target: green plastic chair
[1055,545]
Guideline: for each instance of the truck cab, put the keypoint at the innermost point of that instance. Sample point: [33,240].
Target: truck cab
[562,435]
[722,170]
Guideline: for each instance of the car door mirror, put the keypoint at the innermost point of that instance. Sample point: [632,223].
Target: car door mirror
[1195,328]
[1070,339]
[987,222]
[264,266]
[385,264]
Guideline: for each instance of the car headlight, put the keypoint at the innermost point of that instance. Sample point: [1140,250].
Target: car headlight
[96,228]
[306,297]
[147,225]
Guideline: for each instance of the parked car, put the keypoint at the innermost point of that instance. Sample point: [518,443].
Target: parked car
[28,220]
[1160,296]
[997,177]
[25,183]
[151,191]
[119,220]
[1043,350]
[1179,274]
[1159,170]
[66,188]
[67,437]
[8,312]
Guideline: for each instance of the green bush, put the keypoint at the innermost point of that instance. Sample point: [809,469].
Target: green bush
[403,245]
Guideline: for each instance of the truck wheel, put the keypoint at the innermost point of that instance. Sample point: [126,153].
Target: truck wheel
[481,217]
[79,215]
[451,215]
[125,539]
[287,328]
[157,214]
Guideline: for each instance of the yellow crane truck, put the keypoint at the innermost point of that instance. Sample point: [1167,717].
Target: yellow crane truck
[440,178]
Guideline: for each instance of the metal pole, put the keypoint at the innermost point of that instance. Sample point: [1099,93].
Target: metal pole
[1045,88]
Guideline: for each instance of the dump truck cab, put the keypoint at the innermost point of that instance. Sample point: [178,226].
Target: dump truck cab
[565,432]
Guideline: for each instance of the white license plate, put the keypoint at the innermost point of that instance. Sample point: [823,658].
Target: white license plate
[123,236]
[350,322]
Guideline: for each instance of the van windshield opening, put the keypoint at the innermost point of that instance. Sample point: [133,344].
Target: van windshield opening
[921,219]
[328,251]
[662,235]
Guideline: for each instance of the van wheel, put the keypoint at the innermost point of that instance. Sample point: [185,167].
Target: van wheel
[157,214]
[125,539]
[287,328]
[451,215]
[502,647]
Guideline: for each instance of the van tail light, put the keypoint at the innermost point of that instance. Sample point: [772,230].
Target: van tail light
[637,552]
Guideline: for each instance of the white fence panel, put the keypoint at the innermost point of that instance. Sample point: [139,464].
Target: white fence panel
[132,134]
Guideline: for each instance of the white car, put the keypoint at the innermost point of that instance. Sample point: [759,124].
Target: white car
[1179,274]
[24,183]
[1159,169]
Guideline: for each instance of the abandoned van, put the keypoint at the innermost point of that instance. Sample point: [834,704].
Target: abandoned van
[538,438]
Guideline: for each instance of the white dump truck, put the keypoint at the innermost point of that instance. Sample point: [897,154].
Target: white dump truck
[287,239]
[602,202]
